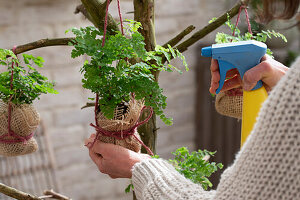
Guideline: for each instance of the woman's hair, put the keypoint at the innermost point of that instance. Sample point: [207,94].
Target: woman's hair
[278,9]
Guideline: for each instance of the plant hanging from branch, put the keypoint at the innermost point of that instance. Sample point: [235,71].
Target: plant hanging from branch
[19,87]
[120,70]
[111,74]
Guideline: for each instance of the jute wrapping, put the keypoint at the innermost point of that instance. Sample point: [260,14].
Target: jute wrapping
[229,105]
[125,117]
[24,121]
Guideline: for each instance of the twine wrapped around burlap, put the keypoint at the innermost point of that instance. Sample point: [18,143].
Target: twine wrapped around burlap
[24,121]
[229,105]
[125,118]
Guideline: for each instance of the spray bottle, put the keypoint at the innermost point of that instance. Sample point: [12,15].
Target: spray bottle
[242,56]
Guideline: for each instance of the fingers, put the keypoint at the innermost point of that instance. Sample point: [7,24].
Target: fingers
[95,157]
[231,73]
[214,66]
[233,78]
[105,149]
[253,75]
[90,140]
[113,177]
[234,82]
[269,71]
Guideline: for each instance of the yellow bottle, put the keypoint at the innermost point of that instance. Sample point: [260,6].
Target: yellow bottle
[252,102]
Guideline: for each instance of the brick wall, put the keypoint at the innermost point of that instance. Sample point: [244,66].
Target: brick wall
[23,21]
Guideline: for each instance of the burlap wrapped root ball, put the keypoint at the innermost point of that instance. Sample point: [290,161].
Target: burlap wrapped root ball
[24,121]
[124,119]
[229,105]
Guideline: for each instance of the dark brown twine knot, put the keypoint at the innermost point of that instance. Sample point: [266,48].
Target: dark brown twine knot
[16,138]
[123,134]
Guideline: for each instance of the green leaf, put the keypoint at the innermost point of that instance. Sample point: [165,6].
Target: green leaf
[195,165]
[129,187]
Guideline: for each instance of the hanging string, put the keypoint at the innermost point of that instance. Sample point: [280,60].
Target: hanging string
[120,15]
[105,23]
[242,7]
[16,138]
[124,133]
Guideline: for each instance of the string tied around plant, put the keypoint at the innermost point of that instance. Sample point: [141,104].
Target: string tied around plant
[15,137]
[123,134]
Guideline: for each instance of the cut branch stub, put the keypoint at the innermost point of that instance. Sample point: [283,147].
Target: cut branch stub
[96,10]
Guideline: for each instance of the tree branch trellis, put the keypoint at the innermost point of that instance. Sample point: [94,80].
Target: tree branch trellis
[94,11]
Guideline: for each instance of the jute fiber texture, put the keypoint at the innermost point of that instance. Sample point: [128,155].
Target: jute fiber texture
[24,121]
[125,117]
[229,105]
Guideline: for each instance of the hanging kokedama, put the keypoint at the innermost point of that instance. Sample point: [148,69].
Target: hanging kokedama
[120,74]
[19,87]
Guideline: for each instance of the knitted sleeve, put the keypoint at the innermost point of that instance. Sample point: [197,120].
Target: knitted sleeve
[267,167]
[157,179]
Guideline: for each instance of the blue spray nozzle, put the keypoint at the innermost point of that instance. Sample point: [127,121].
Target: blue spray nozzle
[240,55]
[206,51]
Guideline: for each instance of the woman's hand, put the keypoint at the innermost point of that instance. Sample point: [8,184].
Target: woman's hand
[269,71]
[114,160]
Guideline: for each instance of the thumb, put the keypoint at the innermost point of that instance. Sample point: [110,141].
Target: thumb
[253,75]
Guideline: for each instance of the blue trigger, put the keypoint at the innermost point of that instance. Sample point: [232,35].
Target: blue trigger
[223,68]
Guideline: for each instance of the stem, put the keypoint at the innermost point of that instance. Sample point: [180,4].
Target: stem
[16,194]
[43,43]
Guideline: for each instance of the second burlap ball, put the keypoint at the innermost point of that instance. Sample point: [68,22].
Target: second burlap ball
[24,121]
[229,105]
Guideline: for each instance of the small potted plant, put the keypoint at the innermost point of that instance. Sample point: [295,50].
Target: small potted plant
[120,73]
[19,87]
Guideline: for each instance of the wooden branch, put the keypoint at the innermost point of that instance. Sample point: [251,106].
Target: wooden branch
[179,37]
[96,10]
[55,195]
[144,13]
[16,194]
[211,27]
[43,43]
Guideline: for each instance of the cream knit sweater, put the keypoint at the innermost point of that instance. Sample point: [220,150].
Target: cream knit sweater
[266,168]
